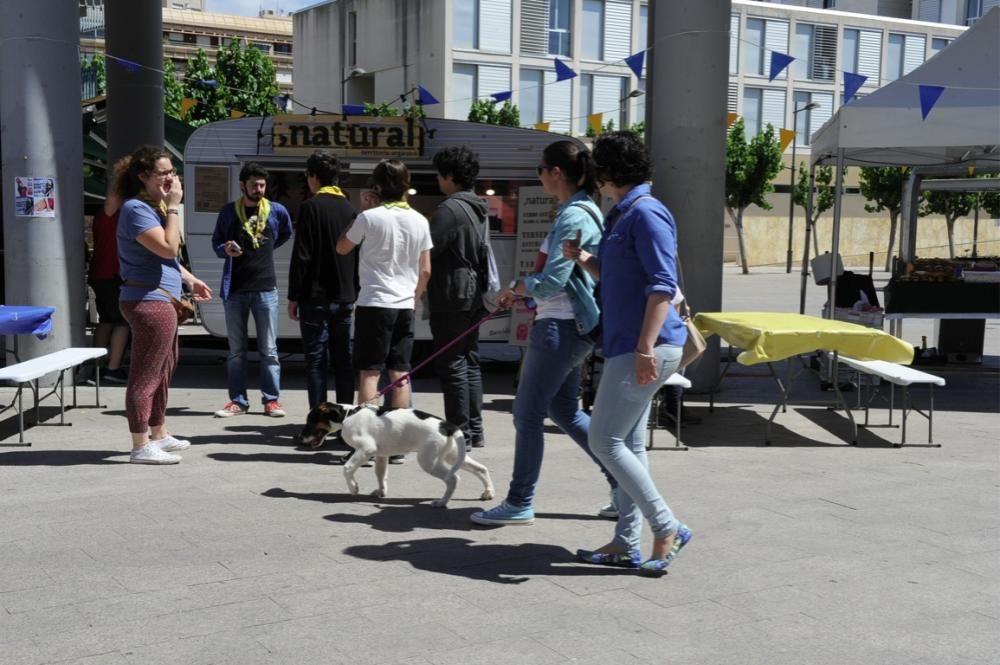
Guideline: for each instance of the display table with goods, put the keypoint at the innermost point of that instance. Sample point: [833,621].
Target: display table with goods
[945,289]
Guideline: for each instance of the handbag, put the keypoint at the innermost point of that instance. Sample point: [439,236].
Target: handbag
[184,307]
[695,343]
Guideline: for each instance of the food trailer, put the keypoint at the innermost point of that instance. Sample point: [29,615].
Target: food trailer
[508,181]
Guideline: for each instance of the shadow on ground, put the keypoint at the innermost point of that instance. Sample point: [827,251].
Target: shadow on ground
[502,564]
[62,457]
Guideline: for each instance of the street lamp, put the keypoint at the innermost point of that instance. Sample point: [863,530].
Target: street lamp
[357,71]
[632,95]
[791,191]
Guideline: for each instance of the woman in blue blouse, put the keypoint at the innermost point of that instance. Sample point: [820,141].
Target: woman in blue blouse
[561,337]
[643,337]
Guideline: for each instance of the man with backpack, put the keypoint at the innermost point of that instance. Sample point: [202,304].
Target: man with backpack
[459,280]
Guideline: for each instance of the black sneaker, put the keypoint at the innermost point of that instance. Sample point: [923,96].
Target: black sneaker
[117,376]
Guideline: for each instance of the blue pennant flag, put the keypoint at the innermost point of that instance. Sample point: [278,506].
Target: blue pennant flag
[354,109]
[563,71]
[852,83]
[286,100]
[635,63]
[425,98]
[778,63]
[929,95]
[211,83]
[501,96]
[128,65]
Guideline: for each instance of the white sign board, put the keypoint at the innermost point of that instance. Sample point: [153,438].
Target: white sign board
[535,213]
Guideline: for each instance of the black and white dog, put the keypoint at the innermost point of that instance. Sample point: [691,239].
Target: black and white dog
[379,433]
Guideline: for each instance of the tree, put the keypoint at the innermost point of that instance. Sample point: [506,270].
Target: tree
[486,111]
[951,205]
[201,85]
[750,168]
[822,200]
[606,128]
[382,110]
[246,76]
[173,91]
[883,188]
[990,202]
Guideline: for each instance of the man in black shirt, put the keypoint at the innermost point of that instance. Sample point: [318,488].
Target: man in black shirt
[247,232]
[459,228]
[323,285]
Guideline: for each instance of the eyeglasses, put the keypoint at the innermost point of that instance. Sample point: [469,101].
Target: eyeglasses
[165,174]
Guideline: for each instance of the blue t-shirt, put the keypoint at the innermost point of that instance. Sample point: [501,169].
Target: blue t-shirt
[138,264]
[638,256]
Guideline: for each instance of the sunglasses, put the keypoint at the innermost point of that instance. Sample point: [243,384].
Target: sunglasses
[540,168]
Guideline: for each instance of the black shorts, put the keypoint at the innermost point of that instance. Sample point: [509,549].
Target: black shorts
[383,338]
[106,293]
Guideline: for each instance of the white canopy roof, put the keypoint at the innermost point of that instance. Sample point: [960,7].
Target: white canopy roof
[885,128]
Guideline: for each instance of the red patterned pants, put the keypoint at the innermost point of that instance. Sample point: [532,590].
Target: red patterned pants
[154,359]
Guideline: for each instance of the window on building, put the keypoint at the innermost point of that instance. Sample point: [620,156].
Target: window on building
[465,33]
[560,20]
[753,48]
[604,95]
[283,48]
[643,26]
[262,47]
[973,10]
[190,39]
[530,96]
[204,40]
[283,76]
[638,108]
[850,54]
[761,107]
[815,52]
[464,86]
[806,122]
[734,43]
[592,37]
[929,10]
[863,53]
[938,44]
[905,53]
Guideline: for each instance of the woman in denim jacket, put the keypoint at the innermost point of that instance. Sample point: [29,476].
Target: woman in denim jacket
[642,341]
[562,335]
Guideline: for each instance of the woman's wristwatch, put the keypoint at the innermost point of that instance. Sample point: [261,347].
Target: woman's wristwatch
[173,211]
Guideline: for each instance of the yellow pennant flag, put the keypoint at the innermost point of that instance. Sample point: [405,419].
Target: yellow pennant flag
[972,170]
[187,104]
[787,136]
[730,119]
[236,114]
[594,121]
[542,126]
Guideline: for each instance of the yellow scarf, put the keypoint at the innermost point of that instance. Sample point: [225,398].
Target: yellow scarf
[397,204]
[160,207]
[257,223]
[332,190]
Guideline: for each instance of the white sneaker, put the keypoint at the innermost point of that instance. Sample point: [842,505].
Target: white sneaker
[152,454]
[170,443]
[610,511]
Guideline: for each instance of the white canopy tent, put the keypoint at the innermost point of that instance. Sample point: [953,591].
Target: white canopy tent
[886,128]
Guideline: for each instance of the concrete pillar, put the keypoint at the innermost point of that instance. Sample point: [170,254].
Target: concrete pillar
[134,32]
[686,89]
[40,136]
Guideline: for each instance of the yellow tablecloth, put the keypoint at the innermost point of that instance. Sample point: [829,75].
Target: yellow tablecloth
[770,336]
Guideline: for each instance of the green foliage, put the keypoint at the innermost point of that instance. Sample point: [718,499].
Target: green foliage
[487,112]
[951,205]
[173,91]
[638,128]
[823,199]
[750,168]
[990,203]
[381,110]
[211,100]
[247,79]
[98,66]
[883,188]
[609,126]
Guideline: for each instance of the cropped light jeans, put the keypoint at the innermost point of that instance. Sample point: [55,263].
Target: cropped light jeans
[618,440]
[263,305]
[549,385]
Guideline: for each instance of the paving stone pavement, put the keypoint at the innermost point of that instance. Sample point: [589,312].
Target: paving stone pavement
[810,551]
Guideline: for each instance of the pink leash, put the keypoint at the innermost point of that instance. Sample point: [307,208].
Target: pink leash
[434,355]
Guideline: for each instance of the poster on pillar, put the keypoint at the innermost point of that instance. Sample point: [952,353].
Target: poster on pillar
[535,213]
[34,196]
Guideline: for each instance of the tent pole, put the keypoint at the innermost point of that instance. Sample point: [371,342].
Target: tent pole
[975,228]
[804,283]
[831,292]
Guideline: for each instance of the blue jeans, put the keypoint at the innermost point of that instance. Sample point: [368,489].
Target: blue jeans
[326,343]
[549,385]
[263,305]
[618,439]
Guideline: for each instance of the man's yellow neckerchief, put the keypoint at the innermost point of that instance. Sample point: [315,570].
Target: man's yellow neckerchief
[257,223]
[332,190]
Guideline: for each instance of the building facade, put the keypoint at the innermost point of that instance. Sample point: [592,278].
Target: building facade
[185,31]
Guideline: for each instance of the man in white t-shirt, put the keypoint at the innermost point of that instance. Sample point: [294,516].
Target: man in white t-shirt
[394,266]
